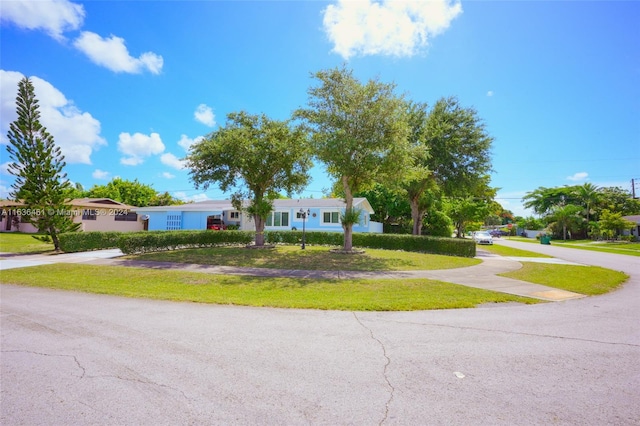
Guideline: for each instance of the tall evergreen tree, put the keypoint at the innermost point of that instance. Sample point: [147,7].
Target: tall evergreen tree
[37,164]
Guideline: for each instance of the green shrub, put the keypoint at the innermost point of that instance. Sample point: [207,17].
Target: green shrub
[143,242]
[425,244]
[72,242]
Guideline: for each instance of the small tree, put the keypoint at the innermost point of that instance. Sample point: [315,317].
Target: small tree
[37,164]
[359,132]
[257,157]
[611,224]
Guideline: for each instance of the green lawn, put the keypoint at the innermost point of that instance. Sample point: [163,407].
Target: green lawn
[589,280]
[352,295]
[13,242]
[510,251]
[629,249]
[312,258]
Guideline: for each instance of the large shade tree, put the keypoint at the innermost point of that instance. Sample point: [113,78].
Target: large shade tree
[457,158]
[257,158]
[37,163]
[358,130]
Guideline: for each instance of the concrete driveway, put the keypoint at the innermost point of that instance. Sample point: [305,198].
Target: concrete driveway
[73,358]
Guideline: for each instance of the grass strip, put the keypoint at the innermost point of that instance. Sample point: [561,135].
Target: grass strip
[13,242]
[350,295]
[510,251]
[313,258]
[589,280]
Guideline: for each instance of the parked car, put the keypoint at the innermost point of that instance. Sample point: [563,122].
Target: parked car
[498,233]
[216,225]
[483,237]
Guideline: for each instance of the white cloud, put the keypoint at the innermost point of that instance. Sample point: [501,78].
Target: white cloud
[52,16]
[138,146]
[394,28]
[100,174]
[577,177]
[167,175]
[112,53]
[490,93]
[171,160]
[77,133]
[186,142]
[204,114]
[4,168]
[191,198]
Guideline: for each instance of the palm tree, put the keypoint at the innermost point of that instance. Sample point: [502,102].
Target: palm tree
[588,194]
[566,216]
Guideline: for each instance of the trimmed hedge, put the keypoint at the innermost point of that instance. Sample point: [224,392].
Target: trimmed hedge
[72,242]
[143,242]
[149,241]
[425,244]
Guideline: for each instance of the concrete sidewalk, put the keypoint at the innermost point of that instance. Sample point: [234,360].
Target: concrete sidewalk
[483,276]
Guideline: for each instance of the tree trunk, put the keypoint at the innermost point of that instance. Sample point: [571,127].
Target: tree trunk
[348,228]
[54,237]
[416,215]
[259,230]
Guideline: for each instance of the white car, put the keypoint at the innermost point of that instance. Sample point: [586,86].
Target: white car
[482,237]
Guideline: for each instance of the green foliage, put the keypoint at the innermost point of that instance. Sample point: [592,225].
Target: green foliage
[458,154]
[37,163]
[150,241]
[144,242]
[87,241]
[611,224]
[389,206]
[424,244]
[437,224]
[565,219]
[128,192]
[255,156]
[358,131]
[350,217]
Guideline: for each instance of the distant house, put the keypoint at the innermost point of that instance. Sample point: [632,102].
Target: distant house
[287,214]
[636,230]
[93,214]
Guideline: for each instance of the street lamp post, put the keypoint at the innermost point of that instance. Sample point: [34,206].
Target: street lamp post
[304,215]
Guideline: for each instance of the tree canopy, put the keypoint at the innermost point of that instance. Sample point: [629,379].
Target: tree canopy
[358,131]
[456,156]
[255,157]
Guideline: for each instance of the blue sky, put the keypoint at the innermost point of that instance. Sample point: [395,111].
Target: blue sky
[126,86]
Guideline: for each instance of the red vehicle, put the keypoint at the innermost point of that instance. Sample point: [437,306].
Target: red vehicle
[216,224]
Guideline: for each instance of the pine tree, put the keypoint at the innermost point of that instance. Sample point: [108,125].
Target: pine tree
[37,164]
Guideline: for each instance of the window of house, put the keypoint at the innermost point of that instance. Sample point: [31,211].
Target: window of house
[234,215]
[127,217]
[88,214]
[278,219]
[330,217]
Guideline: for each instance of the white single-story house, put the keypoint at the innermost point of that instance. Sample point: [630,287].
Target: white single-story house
[288,214]
[93,214]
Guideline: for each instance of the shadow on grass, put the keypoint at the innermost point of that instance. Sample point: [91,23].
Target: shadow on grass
[289,258]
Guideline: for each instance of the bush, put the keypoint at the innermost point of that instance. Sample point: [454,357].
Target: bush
[72,242]
[425,244]
[150,241]
[143,242]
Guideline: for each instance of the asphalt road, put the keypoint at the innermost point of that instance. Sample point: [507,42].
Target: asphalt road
[73,358]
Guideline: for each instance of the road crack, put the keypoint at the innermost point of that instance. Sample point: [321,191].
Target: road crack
[75,359]
[384,370]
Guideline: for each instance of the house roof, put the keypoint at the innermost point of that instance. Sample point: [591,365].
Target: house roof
[96,203]
[633,218]
[220,205]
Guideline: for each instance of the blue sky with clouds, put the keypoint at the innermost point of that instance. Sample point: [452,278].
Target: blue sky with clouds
[125,87]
